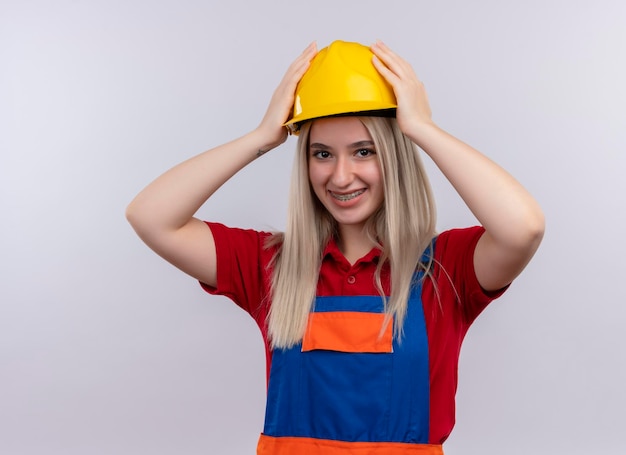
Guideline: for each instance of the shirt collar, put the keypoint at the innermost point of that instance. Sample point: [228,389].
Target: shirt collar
[332,250]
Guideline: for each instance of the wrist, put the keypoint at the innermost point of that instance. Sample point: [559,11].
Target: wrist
[423,132]
[266,140]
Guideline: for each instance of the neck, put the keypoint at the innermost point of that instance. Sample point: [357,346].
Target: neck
[354,242]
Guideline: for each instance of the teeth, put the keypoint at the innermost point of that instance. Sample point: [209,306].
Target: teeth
[346,197]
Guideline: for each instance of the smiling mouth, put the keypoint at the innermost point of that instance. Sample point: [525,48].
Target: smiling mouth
[346,197]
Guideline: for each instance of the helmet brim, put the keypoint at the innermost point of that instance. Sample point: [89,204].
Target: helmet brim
[339,110]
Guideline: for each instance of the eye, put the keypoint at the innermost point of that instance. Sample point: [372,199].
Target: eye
[364,153]
[320,154]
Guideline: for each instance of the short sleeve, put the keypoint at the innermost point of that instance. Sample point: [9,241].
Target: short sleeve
[454,255]
[242,268]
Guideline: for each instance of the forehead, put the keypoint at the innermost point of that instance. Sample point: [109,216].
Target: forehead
[338,131]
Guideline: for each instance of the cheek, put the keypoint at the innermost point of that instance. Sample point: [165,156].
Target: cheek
[313,182]
[376,182]
[374,174]
[316,174]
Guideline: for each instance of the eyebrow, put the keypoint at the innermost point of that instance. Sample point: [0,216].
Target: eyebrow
[319,145]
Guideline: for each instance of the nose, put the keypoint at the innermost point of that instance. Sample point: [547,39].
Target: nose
[342,173]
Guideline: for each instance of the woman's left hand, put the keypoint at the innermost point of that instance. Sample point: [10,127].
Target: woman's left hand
[513,221]
[413,107]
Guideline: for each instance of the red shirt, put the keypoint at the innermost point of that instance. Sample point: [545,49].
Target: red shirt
[450,306]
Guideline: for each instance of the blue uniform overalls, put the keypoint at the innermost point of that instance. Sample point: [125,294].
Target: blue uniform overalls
[372,399]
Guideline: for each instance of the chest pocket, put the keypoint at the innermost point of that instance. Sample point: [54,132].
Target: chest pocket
[348,331]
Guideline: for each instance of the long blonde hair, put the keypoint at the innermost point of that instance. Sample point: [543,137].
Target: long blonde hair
[403,227]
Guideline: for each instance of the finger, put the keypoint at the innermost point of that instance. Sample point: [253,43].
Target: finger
[389,75]
[385,51]
[284,93]
[306,55]
[392,60]
[312,46]
[301,64]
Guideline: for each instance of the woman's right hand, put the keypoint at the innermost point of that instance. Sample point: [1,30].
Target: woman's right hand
[162,214]
[283,98]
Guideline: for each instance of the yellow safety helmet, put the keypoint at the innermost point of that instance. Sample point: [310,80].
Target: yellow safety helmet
[341,80]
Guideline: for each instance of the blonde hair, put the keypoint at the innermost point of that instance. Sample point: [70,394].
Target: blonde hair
[403,227]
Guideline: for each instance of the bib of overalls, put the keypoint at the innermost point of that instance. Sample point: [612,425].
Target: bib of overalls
[354,387]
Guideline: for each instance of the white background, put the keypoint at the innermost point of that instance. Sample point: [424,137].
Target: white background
[106,349]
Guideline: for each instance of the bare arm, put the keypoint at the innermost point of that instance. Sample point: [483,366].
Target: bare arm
[513,221]
[162,214]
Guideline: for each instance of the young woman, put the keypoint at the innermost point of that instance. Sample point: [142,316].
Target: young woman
[356,364]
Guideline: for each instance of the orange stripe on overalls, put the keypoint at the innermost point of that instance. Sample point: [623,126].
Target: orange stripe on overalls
[308,446]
